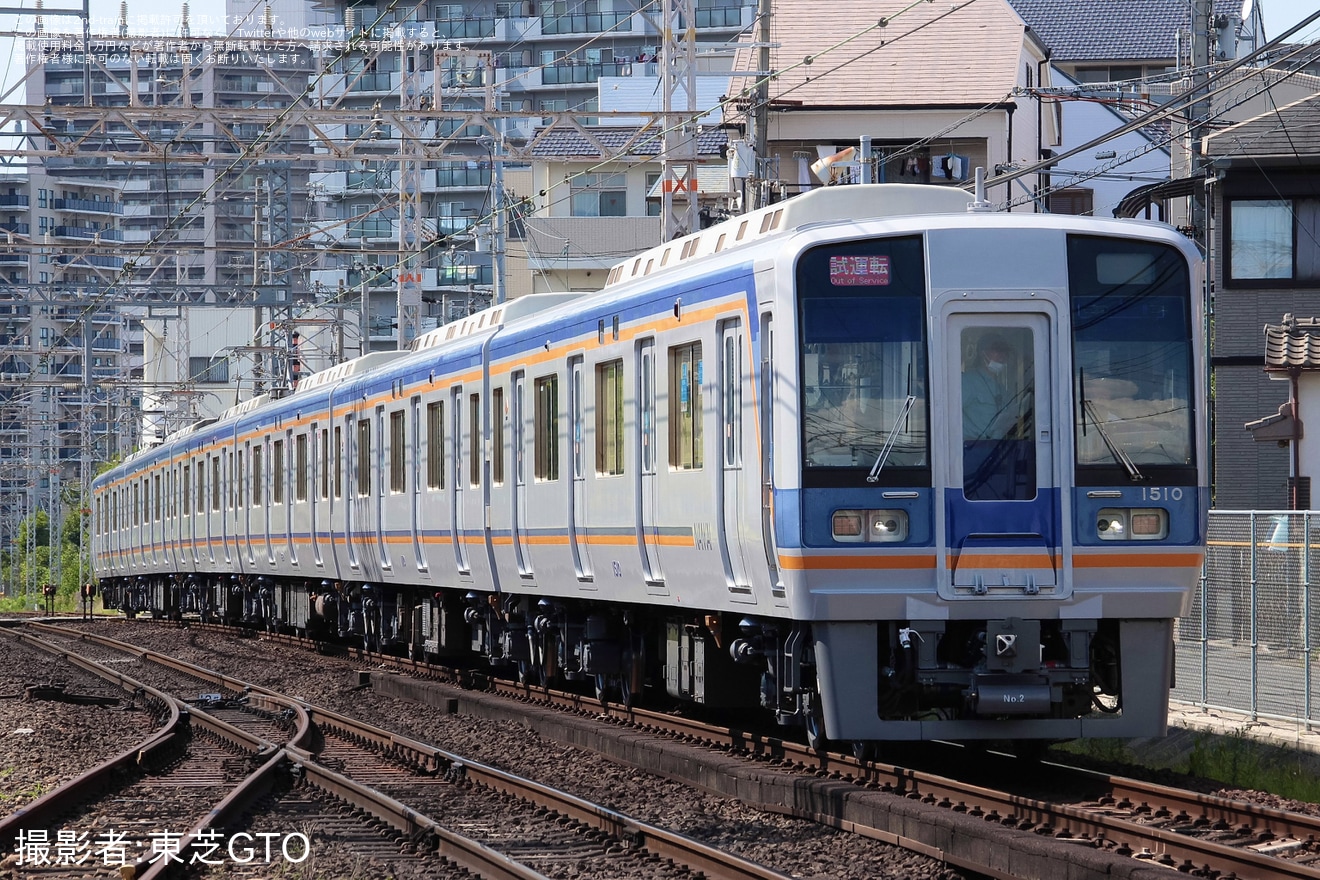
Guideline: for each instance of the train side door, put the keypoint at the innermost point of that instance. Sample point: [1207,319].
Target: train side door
[350,452]
[316,438]
[648,532]
[456,496]
[577,487]
[414,481]
[1002,500]
[731,460]
[519,519]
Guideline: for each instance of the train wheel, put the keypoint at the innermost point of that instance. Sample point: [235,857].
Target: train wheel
[866,750]
[815,724]
[529,673]
[602,682]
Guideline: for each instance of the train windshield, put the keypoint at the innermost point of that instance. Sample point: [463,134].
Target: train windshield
[863,361]
[1132,362]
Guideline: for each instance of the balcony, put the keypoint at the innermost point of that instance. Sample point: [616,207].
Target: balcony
[588,23]
[87,233]
[577,74]
[465,29]
[94,260]
[16,228]
[14,200]
[721,17]
[88,206]
[371,228]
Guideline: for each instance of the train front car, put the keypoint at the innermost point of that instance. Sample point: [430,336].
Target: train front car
[1002,495]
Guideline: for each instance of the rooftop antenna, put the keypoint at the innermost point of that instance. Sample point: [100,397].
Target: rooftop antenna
[184,30]
[123,19]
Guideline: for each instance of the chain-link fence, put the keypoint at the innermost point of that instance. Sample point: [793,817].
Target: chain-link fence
[1248,643]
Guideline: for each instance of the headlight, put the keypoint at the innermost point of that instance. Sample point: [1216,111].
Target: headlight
[869,526]
[1132,524]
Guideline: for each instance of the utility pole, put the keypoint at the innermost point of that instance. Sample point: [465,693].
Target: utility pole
[761,106]
[409,270]
[1200,112]
[678,62]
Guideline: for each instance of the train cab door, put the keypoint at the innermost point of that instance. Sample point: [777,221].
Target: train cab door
[1001,511]
[733,477]
[648,532]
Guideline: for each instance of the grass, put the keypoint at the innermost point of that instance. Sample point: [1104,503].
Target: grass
[1235,760]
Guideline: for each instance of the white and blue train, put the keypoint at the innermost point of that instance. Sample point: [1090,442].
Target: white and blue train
[887,465]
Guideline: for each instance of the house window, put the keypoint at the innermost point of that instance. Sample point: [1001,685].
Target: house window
[1274,240]
[599,195]
[685,378]
[609,418]
[1074,200]
[547,428]
[209,370]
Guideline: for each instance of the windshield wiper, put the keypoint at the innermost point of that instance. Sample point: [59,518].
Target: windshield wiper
[880,459]
[1114,449]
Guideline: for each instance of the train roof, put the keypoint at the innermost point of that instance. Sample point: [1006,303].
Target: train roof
[831,203]
[495,316]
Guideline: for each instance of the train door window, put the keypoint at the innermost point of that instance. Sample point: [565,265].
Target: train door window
[233,501]
[398,471]
[136,494]
[364,457]
[474,426]
[216,491]
[732,400]
[378,457]
[339,462]
[647,399]
[201,486]
[325,463]
[240,481]
[187,488]
[258,478]
[300,467]
[685,416]
[998,413]
[277,472]
[156,496]
[546,439]
[609,417]
[497,436]
[435,445]
[519,430]
[576,429]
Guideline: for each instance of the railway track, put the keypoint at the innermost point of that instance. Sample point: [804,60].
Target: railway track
[419,794]
[1114,816]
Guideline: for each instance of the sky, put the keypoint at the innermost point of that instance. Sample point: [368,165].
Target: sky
[206,17]
[162,18]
